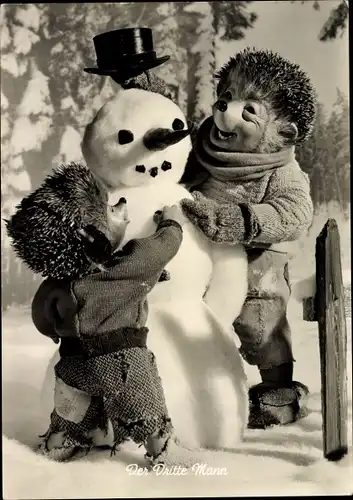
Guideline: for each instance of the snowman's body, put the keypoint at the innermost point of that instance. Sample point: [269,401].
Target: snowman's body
[198,361]
[192,338]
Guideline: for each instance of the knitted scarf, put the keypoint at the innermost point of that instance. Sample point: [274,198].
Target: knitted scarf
[235,166]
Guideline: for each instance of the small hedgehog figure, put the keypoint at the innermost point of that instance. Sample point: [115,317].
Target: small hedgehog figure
[253,192]
[94,299]
[47,228]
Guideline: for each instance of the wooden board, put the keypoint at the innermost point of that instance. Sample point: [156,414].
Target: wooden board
[330,314]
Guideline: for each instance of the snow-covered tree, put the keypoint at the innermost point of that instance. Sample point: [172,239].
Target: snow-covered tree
[325,156]
[70,150]
[338,152]
[204,52]
[23,99]
[46,100]
[336,24]
[167,37]
[25,122]
[31,126]
[311,156]
[206,24]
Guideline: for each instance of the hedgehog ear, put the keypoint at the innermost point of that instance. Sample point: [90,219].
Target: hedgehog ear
[97,247]
[289,131]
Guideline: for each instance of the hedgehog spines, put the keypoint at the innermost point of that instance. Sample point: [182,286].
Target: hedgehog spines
[44,227]
[282,83]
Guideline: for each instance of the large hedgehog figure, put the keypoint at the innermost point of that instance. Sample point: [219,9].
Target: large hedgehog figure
[94,301]
[252,191]
[281,85]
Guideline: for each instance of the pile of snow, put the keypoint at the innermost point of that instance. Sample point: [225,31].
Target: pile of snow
[278,461]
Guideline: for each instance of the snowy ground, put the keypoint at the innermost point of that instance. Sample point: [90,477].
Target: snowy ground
[279,461]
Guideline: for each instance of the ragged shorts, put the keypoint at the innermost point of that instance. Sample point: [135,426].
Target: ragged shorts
[123,387]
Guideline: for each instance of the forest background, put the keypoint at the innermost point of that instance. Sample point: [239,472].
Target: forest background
[47,99]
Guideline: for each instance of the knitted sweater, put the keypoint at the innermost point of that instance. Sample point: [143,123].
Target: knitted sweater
[105,302]
[280,200]
[254,199]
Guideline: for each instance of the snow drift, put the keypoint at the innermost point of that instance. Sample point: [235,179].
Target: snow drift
[278,461]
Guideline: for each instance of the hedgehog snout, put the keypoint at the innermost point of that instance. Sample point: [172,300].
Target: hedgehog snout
[119,210]
[221,105]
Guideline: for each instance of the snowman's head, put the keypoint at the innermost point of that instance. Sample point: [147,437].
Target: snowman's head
[137,138]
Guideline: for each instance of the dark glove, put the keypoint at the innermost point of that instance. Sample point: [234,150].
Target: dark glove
[224,223]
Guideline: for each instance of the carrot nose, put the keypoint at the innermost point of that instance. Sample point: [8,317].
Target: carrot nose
[161,138]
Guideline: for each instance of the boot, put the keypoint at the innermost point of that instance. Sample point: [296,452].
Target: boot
[277,400]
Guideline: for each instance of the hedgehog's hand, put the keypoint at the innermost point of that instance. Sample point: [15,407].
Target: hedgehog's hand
[97,247]
[221,223]
[203,213]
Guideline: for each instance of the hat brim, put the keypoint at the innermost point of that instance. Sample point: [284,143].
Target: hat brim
[142,66]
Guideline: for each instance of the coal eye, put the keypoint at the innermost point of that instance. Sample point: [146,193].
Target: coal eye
[125,136]
[228,95]
[166,165]
[178,124]
[250,109]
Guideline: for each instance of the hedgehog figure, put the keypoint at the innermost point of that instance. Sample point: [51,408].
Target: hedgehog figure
[46,228]
[94,300]
[253,192]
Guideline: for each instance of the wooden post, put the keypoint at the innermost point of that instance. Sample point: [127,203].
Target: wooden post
[330,314]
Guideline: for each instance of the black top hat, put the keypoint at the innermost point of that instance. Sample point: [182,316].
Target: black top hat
[125,53]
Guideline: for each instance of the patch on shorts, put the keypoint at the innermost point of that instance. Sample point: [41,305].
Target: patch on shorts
[70,403]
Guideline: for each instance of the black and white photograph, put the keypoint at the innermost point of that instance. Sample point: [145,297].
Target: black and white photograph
[176,249]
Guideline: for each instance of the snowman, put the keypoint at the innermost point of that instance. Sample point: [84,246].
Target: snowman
[138,145]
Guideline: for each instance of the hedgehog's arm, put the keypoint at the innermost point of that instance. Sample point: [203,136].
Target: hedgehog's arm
[54,309]
[287,209]
[285,213]
[222,223]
